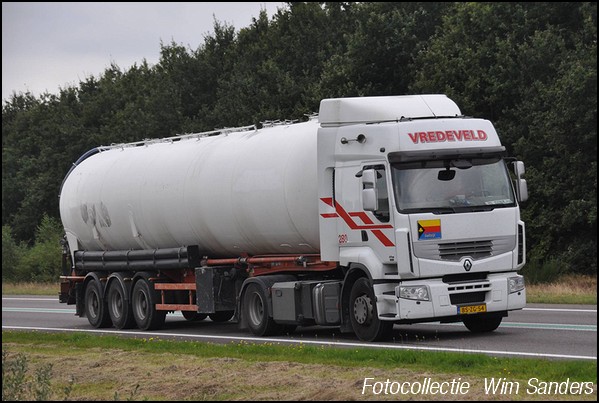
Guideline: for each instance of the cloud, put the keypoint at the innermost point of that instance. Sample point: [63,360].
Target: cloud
[46,46]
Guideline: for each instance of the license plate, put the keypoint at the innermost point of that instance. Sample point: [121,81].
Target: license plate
[465,310]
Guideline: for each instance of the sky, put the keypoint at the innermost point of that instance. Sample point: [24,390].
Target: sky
[51,45]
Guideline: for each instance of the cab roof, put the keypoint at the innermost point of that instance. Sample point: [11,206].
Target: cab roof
[345,111]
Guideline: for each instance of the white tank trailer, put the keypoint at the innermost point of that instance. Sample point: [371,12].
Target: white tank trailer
[337,221]
[251,191]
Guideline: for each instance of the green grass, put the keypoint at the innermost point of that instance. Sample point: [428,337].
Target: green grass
[540,297]
[568,289]
[30,288]
[435,362]
[92,367]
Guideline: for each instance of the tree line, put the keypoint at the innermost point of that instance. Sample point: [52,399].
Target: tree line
[529,67]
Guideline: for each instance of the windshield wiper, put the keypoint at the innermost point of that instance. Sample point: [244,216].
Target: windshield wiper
[444,210]
[462,209]
[448,210]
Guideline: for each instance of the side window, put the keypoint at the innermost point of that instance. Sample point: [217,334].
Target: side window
[382,213]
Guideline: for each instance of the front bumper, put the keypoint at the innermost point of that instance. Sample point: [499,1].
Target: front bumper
[445,299]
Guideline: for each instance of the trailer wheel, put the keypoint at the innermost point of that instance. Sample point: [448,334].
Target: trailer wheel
[143,301]
[484,324]
[363,313]
[96,308]
[221,316]
[119,306]
[194,316]
[255,311]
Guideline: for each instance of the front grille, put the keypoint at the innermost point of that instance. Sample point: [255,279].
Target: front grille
[467,298]
[464,277]
[454,251]
[466,287]
[473,248]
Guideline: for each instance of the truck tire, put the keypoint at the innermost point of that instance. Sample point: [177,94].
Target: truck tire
[143,301]
[119,306]
[363,313]
[96,308]
[255,311]
[482,324]
[221,316]
[194,316]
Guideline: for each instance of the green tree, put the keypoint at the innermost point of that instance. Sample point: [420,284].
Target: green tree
[35,141]
[11,254]
[561,146]
[381,47]
[42,262]
[531,68]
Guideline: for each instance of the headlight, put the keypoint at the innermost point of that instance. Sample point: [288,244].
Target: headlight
[418,292]
[515,284]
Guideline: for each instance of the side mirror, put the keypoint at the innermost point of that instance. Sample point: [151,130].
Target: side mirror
[521,186]
[519,169]
[522,190]
[370,200]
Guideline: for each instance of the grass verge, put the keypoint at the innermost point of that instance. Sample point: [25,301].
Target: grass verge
[113,367]
[569,289]
[30,288]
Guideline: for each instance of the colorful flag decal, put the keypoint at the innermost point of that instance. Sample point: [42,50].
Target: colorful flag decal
[429,229]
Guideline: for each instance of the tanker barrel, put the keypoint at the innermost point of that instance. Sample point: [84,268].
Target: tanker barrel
[264,200]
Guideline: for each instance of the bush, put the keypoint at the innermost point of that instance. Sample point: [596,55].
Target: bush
[11,254]
[19,383]
[42,262]
[540,272]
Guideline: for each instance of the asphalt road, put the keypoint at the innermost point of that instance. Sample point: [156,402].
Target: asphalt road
[540,330]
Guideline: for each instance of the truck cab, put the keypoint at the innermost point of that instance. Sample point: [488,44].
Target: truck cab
[418,205]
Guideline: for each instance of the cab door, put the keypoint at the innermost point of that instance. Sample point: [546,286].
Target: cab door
[363,206]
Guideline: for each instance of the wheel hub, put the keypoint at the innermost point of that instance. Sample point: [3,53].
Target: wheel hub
[362,309]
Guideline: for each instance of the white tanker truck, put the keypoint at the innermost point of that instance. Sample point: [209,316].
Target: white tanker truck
[380,211]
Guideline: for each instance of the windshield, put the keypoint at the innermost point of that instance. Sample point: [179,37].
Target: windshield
[452,185]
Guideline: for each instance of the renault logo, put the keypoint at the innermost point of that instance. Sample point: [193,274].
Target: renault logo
[467,264]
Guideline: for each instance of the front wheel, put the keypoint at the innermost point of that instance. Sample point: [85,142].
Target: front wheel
[255,311]
[363,313]
[482,324]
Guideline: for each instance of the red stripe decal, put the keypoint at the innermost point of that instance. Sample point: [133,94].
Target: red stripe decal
[383,238]
[328,200]
[365,219]
[347,217]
